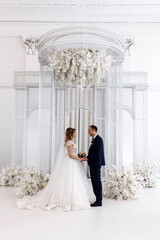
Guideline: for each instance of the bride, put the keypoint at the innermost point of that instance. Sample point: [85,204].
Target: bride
[68,187]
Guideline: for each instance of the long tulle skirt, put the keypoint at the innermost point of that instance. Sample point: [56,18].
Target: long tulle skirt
[68,188]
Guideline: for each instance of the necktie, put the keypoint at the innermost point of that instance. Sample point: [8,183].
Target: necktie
[92,140]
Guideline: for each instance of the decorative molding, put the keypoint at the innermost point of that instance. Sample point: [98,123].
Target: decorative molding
[128,43]
[81,13]
[82,5]
[30,44]
[70,19]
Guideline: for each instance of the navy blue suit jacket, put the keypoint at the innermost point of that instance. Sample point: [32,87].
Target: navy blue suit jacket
[96,153]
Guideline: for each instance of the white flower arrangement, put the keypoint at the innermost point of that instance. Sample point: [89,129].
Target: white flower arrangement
[122,186]
[80,66]
[11,175]
[32,182]
[118,186]
[146,175]
[28,181]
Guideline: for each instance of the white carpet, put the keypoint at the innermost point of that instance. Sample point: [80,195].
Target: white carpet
[116,220]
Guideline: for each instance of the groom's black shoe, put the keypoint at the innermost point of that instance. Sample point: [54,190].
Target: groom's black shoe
[96,204]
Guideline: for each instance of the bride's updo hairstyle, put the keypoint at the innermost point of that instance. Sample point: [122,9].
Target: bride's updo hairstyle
[69,134]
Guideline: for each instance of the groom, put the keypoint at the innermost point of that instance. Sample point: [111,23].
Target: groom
[95,161]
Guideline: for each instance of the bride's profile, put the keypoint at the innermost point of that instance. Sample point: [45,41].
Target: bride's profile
[68,187]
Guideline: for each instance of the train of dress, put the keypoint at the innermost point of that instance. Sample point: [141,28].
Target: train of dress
[68,188]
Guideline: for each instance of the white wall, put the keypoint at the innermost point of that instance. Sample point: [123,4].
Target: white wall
[6,114]
[12,59]
[145,56]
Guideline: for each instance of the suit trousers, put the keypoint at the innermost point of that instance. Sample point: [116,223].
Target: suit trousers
[95,173]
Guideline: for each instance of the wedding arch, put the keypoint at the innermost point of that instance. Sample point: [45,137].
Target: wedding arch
[80,82]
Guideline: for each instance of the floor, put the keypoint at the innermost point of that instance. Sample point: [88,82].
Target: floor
[116,220]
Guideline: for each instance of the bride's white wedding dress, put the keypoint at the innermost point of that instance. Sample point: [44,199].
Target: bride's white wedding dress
[68,187]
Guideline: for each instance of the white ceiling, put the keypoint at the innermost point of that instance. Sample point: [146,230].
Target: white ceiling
[91,2]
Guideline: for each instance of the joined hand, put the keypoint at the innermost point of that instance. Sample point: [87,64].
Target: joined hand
[84,159]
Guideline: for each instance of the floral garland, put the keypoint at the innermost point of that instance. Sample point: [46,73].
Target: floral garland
[80,66]
[122,186]
[29,181]
[146,175]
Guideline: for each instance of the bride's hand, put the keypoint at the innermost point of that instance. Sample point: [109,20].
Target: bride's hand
[84,159]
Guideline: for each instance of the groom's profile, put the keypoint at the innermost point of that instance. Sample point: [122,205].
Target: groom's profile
[96,159]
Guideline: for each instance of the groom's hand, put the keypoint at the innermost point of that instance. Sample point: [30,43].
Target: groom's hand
[85,159]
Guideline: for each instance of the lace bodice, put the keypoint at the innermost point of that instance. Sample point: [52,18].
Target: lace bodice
[69,142]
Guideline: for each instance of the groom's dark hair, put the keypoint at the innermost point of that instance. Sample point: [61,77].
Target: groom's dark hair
[94,127]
